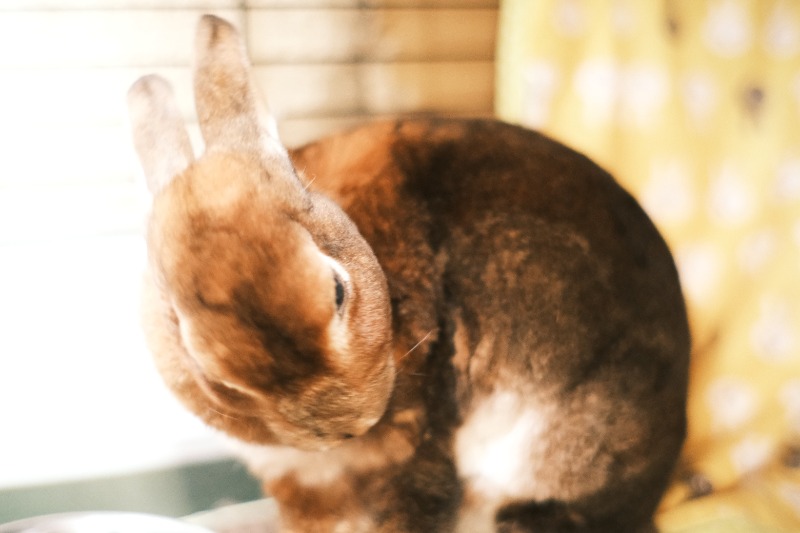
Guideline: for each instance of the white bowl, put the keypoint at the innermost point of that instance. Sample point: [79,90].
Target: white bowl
[100,522]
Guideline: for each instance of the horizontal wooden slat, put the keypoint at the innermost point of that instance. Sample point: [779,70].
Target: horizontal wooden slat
[296,132]
[114,5]
[299,131]
[62,5]
[160,38]
[319,35]
[67,97]
[30,39]
[377,88]
[373,3]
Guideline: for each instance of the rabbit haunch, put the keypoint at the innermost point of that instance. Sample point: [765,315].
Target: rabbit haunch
[418,325]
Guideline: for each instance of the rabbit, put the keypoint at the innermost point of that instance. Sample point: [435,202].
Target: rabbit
[416,325]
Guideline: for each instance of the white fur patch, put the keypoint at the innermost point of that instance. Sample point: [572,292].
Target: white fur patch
[337,267]
[496,447]
[498,451]
[361,524]
[322,468]
[273,462]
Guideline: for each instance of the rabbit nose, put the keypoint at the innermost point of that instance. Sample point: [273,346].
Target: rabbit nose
[333,437]
[357,428]
[341,436]
[346,431]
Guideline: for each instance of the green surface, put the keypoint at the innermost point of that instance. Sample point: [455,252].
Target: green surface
[174,492]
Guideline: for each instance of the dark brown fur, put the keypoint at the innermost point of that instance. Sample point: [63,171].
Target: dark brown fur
[466,205]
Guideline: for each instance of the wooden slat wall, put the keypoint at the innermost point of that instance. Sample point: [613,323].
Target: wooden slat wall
[325,68]
[72,201]
[65,67]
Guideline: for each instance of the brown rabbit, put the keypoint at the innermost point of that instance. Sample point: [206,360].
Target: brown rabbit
[415,326]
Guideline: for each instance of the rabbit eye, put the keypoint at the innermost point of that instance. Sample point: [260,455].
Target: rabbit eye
[341,280]
[339,291]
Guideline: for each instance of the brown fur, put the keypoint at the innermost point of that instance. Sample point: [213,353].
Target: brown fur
[503,291]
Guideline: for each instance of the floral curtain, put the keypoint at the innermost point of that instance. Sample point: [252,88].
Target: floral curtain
[695,106]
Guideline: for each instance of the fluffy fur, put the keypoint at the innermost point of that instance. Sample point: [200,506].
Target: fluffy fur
[414,326]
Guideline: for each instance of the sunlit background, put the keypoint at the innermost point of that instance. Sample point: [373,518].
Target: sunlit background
[79,397]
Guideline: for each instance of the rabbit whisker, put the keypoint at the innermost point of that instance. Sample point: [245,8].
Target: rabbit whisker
[226,415]
[416,345]
[312,180]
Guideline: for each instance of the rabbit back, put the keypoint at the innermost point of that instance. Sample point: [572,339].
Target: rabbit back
[538,318]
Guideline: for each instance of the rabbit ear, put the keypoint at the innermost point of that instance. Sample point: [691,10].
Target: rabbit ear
[159,135]
[229,109]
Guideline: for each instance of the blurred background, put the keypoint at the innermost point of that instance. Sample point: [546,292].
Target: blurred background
[693,104]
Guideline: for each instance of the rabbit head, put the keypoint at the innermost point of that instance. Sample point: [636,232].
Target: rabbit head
[279,310]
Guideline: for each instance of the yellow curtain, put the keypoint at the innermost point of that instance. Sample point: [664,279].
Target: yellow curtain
[695,106]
